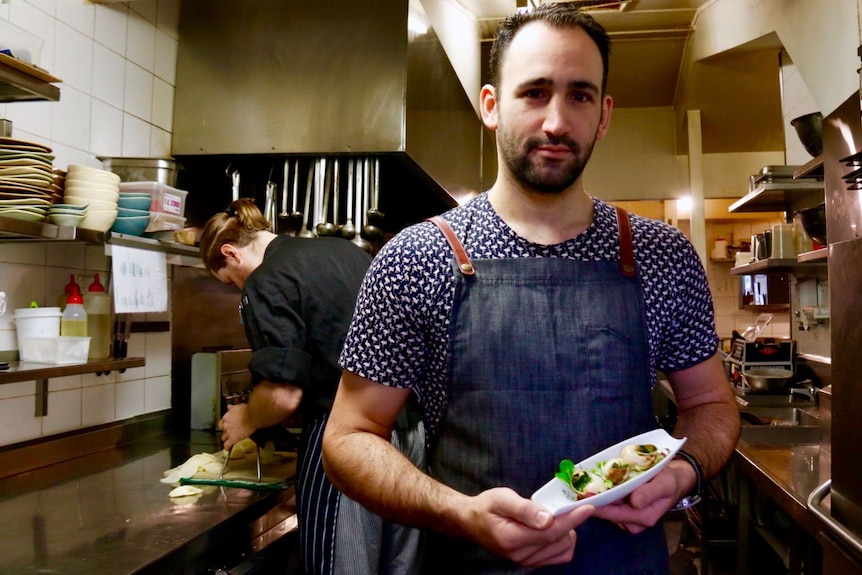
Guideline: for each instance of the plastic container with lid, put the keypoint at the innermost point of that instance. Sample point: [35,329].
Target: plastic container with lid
[98,308]
[57,350]
[73,323]
[165,199]
[161,222]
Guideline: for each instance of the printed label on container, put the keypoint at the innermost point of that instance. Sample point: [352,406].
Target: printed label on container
[172,204]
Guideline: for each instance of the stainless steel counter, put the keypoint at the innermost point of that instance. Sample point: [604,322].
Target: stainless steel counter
[787,474]
[107,513]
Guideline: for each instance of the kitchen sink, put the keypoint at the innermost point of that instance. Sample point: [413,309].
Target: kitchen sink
[780,434]
[778,416]
[774,425]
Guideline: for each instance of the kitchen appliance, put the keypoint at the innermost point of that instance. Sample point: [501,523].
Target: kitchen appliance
[758,355]
[212,374]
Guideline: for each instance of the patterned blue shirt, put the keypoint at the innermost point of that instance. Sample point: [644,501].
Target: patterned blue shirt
[400,331]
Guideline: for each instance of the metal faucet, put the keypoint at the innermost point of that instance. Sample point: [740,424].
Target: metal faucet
[809,392]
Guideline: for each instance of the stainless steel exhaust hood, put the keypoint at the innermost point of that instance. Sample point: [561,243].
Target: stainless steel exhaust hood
[336,77]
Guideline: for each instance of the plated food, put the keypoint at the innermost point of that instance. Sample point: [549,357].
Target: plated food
[609,475]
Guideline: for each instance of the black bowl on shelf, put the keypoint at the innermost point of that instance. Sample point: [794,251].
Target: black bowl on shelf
[809,128]
[814,223]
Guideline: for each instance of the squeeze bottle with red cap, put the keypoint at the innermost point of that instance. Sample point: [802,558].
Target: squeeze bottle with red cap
[67,291]
[73,322]
[98,308]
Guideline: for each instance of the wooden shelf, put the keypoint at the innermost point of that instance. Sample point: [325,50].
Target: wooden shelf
[22,82]
[26,371]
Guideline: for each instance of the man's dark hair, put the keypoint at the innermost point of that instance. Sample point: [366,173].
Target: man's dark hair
[556,15]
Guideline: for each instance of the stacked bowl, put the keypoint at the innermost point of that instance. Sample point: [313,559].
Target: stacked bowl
[67,214]
[96,189]
[134,213]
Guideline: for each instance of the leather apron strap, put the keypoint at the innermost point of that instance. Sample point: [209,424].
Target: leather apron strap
[461,257]
[627,257]
[627,254]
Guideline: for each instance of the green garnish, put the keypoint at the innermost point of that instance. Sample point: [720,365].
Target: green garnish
[567,469]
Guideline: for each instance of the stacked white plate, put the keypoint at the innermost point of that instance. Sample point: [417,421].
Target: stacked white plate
[31,209]
[98,190]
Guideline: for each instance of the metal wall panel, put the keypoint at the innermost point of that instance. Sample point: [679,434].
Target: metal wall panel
[842,136]
[284,76]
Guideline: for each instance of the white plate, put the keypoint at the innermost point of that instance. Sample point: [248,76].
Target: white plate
[558,498]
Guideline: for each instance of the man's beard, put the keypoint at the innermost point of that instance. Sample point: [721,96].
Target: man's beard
[547,176]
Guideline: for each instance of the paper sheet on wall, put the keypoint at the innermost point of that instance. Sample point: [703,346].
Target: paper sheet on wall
[140,279]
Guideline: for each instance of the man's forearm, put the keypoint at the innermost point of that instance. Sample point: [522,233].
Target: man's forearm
[271,403]
[710,439]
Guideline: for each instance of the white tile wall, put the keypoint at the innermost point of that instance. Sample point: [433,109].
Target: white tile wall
[105,55]
[117,63]
[797,101]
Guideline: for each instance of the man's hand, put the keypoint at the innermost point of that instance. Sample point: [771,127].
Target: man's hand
[521,530]
[234,425]
[648,503]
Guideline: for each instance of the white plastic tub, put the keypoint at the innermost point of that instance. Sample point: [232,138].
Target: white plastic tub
[56,350]
[31,322]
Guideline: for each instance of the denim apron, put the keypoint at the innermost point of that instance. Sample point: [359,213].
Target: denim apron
[548,360]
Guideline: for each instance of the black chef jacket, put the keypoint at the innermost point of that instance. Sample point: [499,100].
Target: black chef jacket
[296,308]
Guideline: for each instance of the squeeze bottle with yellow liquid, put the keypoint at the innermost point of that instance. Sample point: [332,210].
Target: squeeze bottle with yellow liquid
[73,322]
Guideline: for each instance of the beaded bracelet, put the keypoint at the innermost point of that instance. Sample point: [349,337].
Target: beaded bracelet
[693,498]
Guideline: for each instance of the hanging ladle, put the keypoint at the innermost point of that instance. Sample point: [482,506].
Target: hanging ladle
[295,217]
[234,182]
[360,214]
[369,231]
[375,216]
[326,227]
[304,232]
[348,231]
[283,214]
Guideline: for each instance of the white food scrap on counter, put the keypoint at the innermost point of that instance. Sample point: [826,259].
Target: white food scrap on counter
[206,462]
[185,490]
[211,463]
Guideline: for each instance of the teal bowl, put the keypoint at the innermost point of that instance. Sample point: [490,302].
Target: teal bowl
[132,213]
[134,202]
[131,226]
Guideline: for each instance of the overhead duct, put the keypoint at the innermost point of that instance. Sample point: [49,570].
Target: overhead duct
[324,78]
